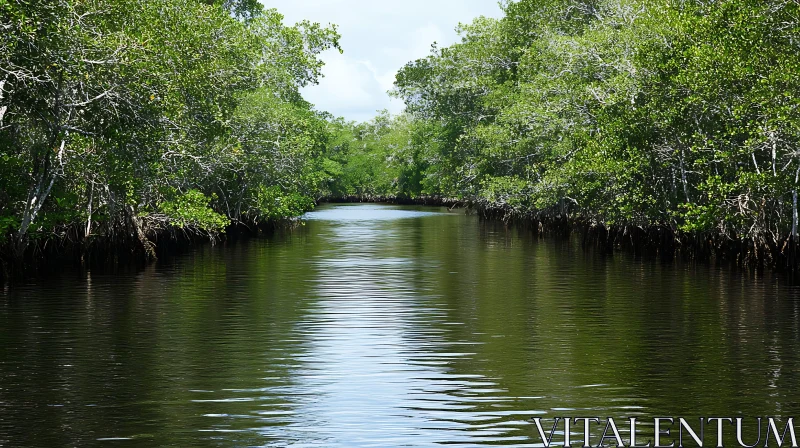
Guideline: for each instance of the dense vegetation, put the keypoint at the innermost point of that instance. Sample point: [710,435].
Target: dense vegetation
[383,158]
[674,120]
[656,117]
[121,120]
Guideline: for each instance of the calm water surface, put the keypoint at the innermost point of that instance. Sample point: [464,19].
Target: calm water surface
[385,326]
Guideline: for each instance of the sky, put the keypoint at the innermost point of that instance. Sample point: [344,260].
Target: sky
[378,38]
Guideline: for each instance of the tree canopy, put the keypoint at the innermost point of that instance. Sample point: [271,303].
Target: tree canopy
[680,114]
[119,118]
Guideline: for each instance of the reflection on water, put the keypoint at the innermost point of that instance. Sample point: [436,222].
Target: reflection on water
[386,326]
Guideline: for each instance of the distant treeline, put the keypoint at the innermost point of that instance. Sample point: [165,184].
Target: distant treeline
[667,117]
[124,119]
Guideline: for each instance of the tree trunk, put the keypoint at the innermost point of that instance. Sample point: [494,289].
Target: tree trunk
[684,181]
[793,237]
[136,224]
[794,213]
[36,197]
[3,109]
[89,212]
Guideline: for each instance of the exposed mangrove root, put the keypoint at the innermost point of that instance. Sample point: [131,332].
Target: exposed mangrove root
[135,226]
[765,251]
[130,242]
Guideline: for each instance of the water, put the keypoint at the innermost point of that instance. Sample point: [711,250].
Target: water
[385,326]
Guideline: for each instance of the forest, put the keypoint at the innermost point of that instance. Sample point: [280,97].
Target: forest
[660,124]
[122,121]
[664,123]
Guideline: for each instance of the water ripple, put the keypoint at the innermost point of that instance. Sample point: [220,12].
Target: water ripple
[382,326]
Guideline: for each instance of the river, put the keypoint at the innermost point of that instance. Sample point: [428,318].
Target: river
[385,326]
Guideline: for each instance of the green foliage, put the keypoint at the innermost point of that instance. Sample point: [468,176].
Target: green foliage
[191,210]
[644,112]
[380,158]
[107,108]
[633,112]
[274,203]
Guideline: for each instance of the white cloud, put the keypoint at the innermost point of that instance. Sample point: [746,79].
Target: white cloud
[378,38]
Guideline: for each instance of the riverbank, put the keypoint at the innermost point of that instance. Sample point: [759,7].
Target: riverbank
[778,254]
[138,246]
[648,240]
[137,242]
[131,246]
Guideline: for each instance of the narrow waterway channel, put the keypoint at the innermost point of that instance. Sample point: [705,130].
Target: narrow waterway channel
[385,326]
